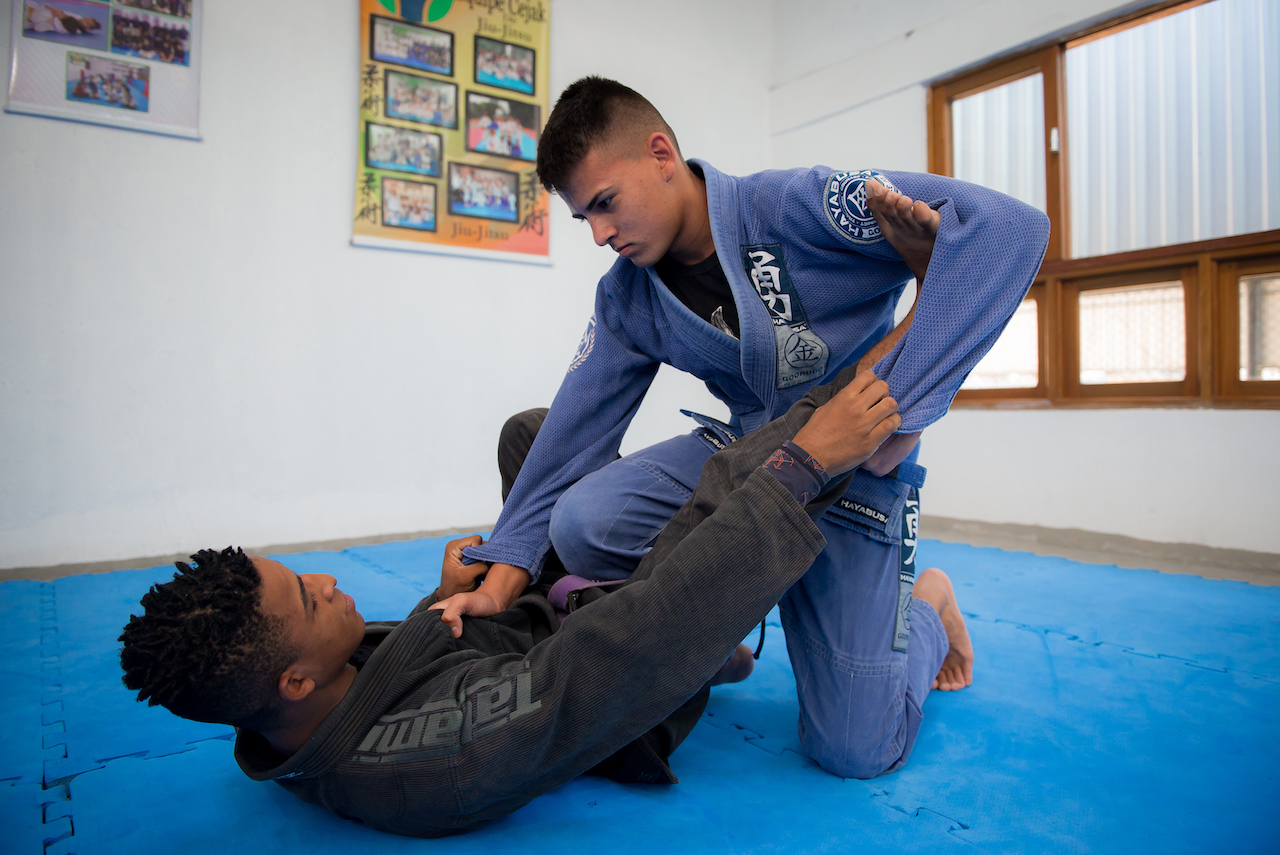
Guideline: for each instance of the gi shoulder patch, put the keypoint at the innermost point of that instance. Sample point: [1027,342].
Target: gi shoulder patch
[584,346]
[845,201]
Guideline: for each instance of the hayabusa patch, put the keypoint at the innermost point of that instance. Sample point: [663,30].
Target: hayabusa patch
[584,347]
[845,201]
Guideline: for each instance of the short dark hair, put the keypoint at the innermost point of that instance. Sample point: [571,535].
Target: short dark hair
[204,649]
[590,111]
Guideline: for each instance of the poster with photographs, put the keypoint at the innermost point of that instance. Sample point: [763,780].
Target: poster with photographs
[127,63]
[453,94]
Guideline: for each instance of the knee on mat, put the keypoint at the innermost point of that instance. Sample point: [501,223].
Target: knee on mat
[855,759]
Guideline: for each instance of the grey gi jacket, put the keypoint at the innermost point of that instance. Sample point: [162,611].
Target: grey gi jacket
[438,735]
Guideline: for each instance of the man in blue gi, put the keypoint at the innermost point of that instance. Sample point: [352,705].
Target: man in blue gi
[764,286]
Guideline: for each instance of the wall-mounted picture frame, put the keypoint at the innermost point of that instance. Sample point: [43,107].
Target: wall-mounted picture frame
[502,126]
[79,25]
[420,99]
[408,204]
[402,150]
[132,64]
[108,82]
[489,194]
[150,37]
[400,43]
[504,65]
[176,8]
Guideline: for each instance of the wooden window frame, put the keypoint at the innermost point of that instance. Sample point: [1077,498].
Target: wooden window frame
[1209,270]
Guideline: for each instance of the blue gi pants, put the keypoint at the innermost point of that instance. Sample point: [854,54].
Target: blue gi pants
[860,700]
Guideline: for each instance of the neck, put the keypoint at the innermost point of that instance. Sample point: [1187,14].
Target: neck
[299,721]
[694,242]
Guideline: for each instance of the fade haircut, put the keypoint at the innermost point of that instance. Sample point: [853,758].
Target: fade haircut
[589,112]
[204,649]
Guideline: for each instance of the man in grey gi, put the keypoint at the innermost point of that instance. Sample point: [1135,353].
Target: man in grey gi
[462,713]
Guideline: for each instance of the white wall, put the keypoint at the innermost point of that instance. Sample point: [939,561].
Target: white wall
[191,353]
[851,92]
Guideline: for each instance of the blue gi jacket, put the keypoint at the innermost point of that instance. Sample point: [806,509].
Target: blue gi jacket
[815,286]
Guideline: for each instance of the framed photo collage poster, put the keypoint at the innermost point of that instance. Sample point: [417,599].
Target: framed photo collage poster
[126,63]
[453,95]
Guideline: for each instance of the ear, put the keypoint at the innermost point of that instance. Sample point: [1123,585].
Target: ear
[293,685]
[662,150]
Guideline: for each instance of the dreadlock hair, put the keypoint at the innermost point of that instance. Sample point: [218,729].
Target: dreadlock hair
[590,111]
[204,649]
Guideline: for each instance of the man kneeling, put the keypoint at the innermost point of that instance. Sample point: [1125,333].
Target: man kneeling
[445,720]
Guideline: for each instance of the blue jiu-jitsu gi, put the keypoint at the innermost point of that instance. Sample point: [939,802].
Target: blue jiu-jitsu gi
[815,286]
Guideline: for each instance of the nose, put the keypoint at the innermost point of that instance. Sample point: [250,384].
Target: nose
[327,584]
[602,232]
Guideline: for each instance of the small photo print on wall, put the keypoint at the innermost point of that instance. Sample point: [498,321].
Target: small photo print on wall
[501,126]
[420,99]
[408,204]
[402,149]
[177,8]
[505,65]
[416,47]
[109,82]
[150,37]
[486,193]
[69,22]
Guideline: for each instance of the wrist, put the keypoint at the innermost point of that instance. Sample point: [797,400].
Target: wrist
[504,583]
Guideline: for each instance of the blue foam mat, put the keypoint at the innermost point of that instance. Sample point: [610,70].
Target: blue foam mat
[1112,710]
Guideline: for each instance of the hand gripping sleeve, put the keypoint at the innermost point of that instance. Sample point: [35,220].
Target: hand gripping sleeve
[600,394]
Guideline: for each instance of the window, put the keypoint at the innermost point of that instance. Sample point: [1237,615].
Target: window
[1153,144]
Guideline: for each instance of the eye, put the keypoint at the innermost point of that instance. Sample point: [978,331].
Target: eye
[603,204]
[315,604]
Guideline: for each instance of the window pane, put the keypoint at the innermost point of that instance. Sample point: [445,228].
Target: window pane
[998,139]
[1260,327]
[1134,334]
[1014,360]
[1174,129]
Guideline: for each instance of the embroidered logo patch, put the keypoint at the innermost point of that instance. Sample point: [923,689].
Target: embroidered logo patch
[846,205]
[802,354]
[584,346]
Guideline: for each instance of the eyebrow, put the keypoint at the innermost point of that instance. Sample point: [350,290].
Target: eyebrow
[596,198]
[302,590]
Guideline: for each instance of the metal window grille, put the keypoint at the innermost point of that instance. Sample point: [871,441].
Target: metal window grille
[1260,327]
[1133,334]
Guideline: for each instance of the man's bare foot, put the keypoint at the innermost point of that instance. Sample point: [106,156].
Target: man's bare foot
[737,669]
[934,587]
[910,226]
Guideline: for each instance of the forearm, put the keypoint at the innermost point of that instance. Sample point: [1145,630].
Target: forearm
[505,582]
[882,348]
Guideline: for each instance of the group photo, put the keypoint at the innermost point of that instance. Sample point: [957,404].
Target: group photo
[504,65]
[486,193]
[408,204]
[150,37]
[109,82]
[416,47]
[420,99]
[402,149]
[177,8]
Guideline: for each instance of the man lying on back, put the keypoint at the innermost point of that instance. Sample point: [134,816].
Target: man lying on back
[444,720]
